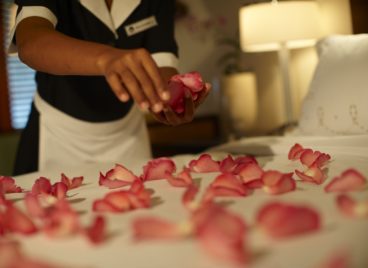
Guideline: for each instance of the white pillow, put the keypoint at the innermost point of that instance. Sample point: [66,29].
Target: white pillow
[337,101]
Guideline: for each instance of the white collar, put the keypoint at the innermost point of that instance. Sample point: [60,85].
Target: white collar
[120,11]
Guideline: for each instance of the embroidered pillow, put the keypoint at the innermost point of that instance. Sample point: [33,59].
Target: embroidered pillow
[337,101]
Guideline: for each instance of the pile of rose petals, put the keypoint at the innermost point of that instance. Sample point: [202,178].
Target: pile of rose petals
[47,210]
[180,84]
[220,232]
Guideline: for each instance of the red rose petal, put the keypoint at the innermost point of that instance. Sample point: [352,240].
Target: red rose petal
[278,183]
[250,171]
[41,185]
[295,152]
[96,232]
[61,222]
[189,196]
[72,183]
[192,80]
[228,164]
[281,220]
[59,190]
[255,184]
[8,185]
[221,233]
[349,180]
[155,228]
[103,206]
[204,164]
[183,179]
[33,206]
[117,177]
[352,208]
[313,175]
[156,169]
[18,222]
[308,157]
[228,184]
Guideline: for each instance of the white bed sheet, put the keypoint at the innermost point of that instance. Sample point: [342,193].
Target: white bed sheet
[338,232]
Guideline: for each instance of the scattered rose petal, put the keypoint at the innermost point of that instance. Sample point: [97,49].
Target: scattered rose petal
[117,177]
[61,221]
[189,196]
[339,259]
[8,185]
[34,206]
[226,185]
[314,174]
[71,183]
[255,184]
[124,200]
[275,182]
[295,152]
[204,164]
[157,169]
[41,185]
[183,179]
[59,190]
[155,228]
[351,207]
[96,232]
[349,180]
[221,233]
[250,171]
[280,220]
[18,222]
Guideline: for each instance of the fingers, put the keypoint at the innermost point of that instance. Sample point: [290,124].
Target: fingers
[153,72]
[119,90]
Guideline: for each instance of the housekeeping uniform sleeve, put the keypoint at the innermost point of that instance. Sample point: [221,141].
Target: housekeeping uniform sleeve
[46,9]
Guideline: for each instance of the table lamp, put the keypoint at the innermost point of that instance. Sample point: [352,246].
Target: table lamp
[280,26]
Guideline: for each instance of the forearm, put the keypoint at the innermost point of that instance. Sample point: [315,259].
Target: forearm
[44,49]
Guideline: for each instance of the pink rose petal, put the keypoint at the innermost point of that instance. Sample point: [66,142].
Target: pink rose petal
[189,196]
[295,152]
[71,183]
[280,220]
[254,184]
[59,190]
[8,185]
[204,164]
[183,179]
[313,175]
[96,233]
[349,180]
[157,169]
[278,183]
[156,228]
[250,171]
[227,185]
[221,233]
[41,185]
[18,222]
[352,208]
[117,177]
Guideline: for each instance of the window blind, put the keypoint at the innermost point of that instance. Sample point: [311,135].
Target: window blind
[20,77]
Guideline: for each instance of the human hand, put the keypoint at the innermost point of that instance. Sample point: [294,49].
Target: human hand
[170,117]
[134,74]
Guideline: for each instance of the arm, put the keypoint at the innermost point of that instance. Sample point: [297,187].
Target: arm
[130,73]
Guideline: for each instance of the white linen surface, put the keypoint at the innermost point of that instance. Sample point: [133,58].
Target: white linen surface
[338,232]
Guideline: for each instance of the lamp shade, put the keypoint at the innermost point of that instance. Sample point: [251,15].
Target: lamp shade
[264,26]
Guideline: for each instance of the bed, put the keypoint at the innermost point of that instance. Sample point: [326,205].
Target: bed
[344,138]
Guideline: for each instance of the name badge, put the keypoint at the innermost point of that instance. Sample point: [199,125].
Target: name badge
[140,26]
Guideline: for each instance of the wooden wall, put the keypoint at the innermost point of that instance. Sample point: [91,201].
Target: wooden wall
[359,11]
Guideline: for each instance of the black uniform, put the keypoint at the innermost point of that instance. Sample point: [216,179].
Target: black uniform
[89,98]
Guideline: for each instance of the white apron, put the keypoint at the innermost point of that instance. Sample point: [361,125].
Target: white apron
[65,141]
